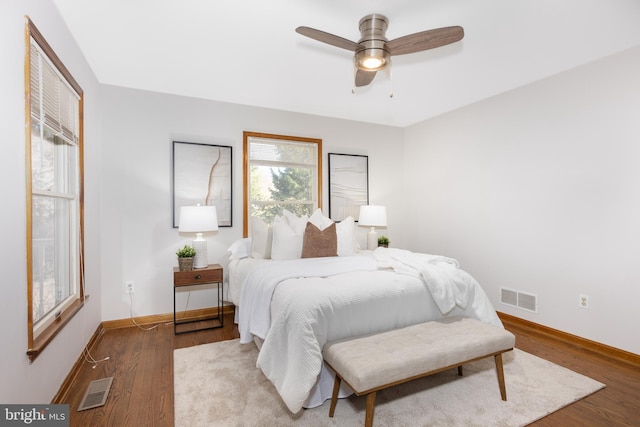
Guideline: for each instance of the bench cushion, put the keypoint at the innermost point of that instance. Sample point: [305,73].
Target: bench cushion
[376,360]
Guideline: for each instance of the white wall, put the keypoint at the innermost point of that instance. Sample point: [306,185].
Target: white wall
[22,382]
[539,190]
[138,241]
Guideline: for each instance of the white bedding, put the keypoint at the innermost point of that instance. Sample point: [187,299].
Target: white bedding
[297,306]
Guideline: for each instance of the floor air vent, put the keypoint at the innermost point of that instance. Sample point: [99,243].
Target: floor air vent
[519,299]
[96,394]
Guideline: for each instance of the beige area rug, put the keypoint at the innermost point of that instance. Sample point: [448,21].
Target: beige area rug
[219,385]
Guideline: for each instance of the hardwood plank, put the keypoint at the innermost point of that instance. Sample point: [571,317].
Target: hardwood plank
[141,363]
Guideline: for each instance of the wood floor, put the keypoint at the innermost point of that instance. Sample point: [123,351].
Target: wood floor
[141,363]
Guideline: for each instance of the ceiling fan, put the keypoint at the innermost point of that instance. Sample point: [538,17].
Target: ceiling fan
[373,51]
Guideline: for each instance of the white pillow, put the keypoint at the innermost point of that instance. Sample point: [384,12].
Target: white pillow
[319,220]
[261,239]
[345,230]
[240,249]
[288,234]
[298,223]
[287,244]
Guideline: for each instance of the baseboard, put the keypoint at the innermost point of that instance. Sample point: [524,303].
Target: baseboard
[596,347]
[166,318]
[62,394]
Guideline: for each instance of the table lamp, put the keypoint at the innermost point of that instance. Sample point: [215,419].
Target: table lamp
[198,219]
[372,216]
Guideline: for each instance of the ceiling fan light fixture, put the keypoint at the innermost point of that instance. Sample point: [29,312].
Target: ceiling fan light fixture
[372,59]
[372,62]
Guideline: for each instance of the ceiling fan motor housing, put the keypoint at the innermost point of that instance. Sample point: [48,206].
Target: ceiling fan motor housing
[374,54]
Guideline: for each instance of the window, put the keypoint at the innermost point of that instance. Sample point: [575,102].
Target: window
[280,172]
[54,192]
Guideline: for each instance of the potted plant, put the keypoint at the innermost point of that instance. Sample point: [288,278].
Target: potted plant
[185,258]
[383,241]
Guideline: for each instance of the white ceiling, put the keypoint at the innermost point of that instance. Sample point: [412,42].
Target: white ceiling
[247,52]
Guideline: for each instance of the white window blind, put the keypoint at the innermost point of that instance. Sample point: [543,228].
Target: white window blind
[50,92]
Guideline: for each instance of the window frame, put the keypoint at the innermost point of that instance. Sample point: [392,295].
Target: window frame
[39,335]
[246,169]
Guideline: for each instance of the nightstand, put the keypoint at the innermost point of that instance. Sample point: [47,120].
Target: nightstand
[211,274]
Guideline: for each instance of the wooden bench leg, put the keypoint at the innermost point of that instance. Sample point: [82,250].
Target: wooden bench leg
[460,370]
[371,403]
[500,371]
[334,396]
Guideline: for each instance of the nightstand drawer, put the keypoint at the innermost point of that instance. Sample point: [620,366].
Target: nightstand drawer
[213,273]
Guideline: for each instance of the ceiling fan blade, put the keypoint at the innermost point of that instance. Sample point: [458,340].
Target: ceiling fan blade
[363,78]
[425,40]
[328,38]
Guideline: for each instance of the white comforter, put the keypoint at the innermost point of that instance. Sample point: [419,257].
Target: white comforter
[297,306]
[260,283]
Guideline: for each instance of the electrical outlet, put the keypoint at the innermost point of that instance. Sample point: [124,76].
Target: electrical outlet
[128,287]
[583,301]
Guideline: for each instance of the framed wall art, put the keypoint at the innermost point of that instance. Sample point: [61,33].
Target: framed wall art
[348,185]
[202,175]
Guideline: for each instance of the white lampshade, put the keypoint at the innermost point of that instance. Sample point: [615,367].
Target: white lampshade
[372,216]
[198,219]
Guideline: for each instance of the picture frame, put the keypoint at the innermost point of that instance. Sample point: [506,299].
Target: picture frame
[348,185]
[202,174]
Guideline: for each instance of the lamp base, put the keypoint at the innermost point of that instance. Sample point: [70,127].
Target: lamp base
[201,260]
[372,239]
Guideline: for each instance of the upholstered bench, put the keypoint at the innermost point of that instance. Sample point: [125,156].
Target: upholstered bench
[374,362]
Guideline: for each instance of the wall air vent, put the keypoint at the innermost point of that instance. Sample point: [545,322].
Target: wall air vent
[519,299]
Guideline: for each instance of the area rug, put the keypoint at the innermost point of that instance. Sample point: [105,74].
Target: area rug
[218,384]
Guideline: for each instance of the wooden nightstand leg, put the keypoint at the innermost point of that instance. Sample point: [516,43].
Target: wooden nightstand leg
[220,303]
[175,326]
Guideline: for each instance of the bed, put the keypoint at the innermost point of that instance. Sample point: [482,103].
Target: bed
[292,307]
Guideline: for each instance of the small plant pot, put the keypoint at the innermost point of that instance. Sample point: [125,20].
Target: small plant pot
[185,264]
[383,242]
